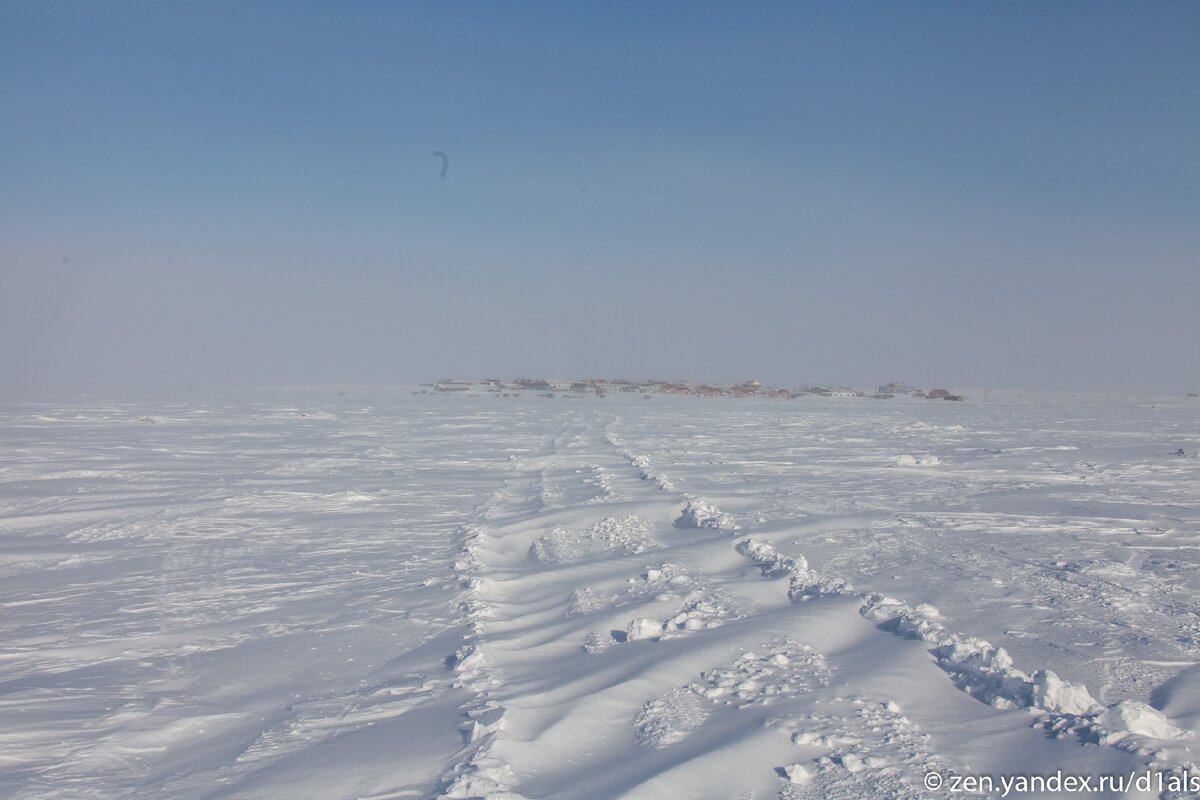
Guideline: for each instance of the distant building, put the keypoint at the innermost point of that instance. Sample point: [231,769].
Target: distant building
[895,388]
[937,394]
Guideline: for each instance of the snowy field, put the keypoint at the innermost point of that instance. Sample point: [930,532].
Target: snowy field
[379,595]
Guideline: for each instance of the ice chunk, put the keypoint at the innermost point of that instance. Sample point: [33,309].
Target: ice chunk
[796,773]
[1055,695]
[699,513]
[915,461]
[643,628]
[1133,718]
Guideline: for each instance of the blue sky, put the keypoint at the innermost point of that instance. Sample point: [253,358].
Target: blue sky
[245,193]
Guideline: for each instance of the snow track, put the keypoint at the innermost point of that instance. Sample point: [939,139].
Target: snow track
[653,634]
[472,599]
[247,599]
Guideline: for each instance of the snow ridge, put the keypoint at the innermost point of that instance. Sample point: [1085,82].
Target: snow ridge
[804,583]
[987,673]
[700,513]
[627,534]
[644,467]
[477,772]
[977,667]
[703,610]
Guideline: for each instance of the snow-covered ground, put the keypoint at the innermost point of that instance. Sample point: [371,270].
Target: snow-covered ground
[378,595]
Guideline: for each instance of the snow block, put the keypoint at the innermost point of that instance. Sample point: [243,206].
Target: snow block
[698,513]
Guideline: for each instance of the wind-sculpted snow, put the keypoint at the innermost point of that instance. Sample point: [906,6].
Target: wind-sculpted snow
[703,610]
[455,596]
[477,771]
[700,513]
[699,605]
[803,582]
[640,462]
[236,600]
[783,670]
[860,747]
[670,718]
[628,534]
[1051,693]
[981,670]
[1129,725]
[1130,718]
[313,722]
[565,484]
[664,583]
[647,471]
[780,670]
[917,461]
[987,673]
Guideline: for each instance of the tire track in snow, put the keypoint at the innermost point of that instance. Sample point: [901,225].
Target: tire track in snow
[521,560]
[975,666]
[541,484]
[478,771]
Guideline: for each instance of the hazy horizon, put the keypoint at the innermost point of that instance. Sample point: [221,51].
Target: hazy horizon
[255,194]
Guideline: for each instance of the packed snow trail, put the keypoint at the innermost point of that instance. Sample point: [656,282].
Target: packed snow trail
[530,598]
[646,652]
[236,599]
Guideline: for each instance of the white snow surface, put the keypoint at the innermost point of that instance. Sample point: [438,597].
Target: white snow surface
[372,594]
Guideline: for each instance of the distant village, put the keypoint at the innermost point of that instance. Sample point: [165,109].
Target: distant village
[602,387]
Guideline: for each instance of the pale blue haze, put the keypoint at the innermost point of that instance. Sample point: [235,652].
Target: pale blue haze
[966,194]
